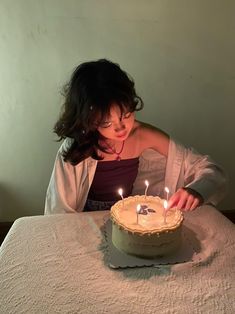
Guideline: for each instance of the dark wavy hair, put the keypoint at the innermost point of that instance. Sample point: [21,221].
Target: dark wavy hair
[93,88]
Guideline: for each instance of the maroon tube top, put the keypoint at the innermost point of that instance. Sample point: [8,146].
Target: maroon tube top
[111,176]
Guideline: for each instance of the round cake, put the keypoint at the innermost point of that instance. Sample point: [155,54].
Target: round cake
[150,233]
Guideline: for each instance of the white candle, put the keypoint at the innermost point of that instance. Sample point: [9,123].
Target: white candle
[165,205]
[120,192]
[147,185]
[167,193]
[137,212]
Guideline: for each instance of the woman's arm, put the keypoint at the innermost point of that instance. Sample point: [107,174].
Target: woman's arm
[201,181]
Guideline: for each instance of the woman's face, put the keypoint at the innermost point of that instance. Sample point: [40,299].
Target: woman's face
[118,125]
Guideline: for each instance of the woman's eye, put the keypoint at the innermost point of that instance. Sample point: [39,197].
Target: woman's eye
[127,115]
[105,124]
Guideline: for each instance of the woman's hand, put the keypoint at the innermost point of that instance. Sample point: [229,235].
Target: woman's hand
[185,199]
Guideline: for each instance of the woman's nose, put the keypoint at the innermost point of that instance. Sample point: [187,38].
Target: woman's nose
[119,126]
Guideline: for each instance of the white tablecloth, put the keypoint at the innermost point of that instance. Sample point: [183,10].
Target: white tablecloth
[56,264]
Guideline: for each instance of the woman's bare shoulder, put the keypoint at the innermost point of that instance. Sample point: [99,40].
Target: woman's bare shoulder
[152,137]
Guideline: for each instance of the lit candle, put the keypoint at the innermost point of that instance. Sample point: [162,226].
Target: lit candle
[165,205]
[120,192]
[167,193]
[137,212]
[147,185]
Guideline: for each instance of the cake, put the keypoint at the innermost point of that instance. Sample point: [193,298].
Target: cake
[149,234]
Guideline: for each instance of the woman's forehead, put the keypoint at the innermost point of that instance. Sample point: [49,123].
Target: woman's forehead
[115,110]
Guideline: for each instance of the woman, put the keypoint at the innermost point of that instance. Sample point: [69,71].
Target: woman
[106,148]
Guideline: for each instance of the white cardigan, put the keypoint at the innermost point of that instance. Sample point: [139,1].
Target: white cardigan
[69,185]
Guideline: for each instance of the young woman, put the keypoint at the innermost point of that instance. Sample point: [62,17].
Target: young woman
[105,148]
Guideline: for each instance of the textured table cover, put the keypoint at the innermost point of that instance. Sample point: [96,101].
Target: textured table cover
[56,264]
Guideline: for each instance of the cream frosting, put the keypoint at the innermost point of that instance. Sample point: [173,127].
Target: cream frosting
[124,213]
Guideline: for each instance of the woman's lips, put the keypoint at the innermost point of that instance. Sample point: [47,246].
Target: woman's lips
[122,135]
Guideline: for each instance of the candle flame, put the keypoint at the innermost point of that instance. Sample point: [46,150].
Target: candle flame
[120,191]
[165,204]
[138,208]
[166,189]
[146,182]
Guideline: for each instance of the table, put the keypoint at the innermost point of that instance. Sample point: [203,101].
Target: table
[57,264]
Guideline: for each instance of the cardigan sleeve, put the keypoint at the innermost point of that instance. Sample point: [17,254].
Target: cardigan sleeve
[69,185]
[205,176]
[188,168]
[62,190]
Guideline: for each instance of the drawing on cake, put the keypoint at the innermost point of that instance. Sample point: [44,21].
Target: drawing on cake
[144,210]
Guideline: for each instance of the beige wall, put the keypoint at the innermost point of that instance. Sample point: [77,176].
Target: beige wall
[180,52]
